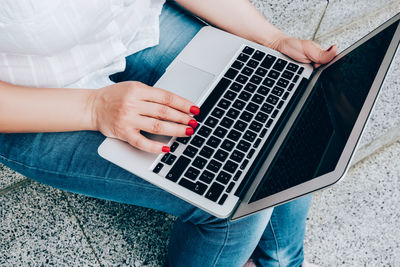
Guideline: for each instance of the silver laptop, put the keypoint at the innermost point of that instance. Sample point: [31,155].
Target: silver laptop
[270,129]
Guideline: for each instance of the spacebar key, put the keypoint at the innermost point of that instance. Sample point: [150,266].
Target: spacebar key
[176,171]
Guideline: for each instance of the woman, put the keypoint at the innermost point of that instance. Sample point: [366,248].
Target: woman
[51,132]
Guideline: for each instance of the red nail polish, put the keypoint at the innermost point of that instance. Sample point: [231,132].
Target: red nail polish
[189,131]
[192,123]
[165,149]
[330,48]
[194,110]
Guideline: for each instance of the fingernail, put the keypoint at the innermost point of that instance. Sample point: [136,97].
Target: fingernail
[189,131]
[330,48]
[192,123]
[165,149]
[194,110]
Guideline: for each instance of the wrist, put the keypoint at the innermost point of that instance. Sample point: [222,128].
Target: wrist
[90,118]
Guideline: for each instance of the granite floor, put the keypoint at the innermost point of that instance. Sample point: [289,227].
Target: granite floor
[354,223]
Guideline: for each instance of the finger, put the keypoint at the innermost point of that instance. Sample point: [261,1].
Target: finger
[164,112]
[139,141]
[164,97]
[156,126]
[317,55]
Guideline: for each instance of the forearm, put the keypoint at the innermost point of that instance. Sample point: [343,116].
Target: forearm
[239,17]
[25,109]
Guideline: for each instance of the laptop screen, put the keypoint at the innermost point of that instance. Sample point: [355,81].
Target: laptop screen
[315,143]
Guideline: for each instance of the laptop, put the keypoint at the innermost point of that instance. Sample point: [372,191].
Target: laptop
[270,129]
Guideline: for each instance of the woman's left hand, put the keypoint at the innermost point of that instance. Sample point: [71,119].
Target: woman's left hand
[305,51]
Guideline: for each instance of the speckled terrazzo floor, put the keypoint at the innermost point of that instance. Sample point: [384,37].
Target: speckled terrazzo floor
[354,223]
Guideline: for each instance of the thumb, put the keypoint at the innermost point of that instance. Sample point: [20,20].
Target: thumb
[317,55]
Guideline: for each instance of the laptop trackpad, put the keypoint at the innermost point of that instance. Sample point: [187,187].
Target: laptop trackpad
[186,80]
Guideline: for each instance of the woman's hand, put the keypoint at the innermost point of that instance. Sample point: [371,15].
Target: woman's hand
[122,110]
[305,51]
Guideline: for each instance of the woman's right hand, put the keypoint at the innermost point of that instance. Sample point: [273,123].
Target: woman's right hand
[123,109]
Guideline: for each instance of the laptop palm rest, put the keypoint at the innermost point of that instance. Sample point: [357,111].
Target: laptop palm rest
[186,80]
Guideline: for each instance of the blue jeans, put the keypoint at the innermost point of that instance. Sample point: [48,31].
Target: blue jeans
[69,161]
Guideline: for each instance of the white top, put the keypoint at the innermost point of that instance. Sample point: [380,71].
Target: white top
[73,43]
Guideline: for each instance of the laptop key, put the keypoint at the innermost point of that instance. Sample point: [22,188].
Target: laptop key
[197,141]
[245,95]
[280,104]
[199,162]
[246,116]
[273,74]
[234,135]
[252,63]
[214,192]
[248,50]
[239,104]
[192,173]
[237,65]
[218,113]
[258,55]
[242,79]
[230,95]
[285,95]
[206,152]
[231,73]
[230,187]
[252,107]
[258,98]
[256,79]
[204,131]
[261,71]
[173,147]
[237,175]
[223,198]
[227,145]
[223,103]
[240,125]
[214,166]
[300,70]
[296,78]
[212,122]
[268,82]
[255,126]
[244,164]
[263,90]
[249,136]
[279,64]
[236,87]
[183,140]
[247,71]
[251,152]
[190,151]
[277,91]
[207,177]
[287,74]
[256,144]
[220,132]
[270,121]
[261,117]
[292,67]
[221,155]
[226,122]
[233,113]
[267,108]
[176,171]
[272,99]
[263,132]
[291,86]
[275,113]
[168,158]
[213,142]
[237,156]
[230,166]
[268,61]
[224,177]
[250,87]
[283,83]
[243,146]
[243,57]
[198,187]
[158,168]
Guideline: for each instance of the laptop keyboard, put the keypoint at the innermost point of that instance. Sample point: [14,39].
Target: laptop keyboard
[252,94]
